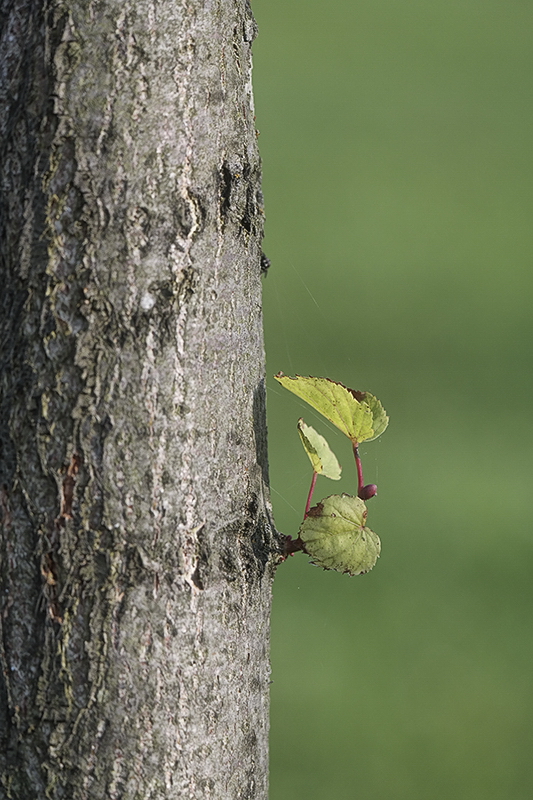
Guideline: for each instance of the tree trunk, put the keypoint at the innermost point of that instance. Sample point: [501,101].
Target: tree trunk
[137,550]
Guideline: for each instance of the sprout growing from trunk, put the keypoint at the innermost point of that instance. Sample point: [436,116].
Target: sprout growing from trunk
[334,532]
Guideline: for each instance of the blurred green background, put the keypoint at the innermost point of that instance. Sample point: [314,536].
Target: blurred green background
[396,142]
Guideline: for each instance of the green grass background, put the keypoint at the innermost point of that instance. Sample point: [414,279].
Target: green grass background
[396,141]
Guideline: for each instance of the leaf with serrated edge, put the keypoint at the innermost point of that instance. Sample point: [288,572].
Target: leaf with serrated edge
[335,402]
[335,536]
[320,454]
[380,419]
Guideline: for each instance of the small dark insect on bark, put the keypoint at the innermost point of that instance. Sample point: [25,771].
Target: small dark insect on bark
[265,264]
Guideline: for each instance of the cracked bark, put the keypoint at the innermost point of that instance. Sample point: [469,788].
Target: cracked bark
[137,551]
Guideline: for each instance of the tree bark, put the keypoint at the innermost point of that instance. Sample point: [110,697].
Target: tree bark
[137,549]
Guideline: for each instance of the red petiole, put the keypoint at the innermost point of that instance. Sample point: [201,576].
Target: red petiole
[360,479]
[364,492]
[310,495]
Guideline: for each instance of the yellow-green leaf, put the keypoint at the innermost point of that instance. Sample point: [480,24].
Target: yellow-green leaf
[346,408]
[379,418]
[335,536]
[320,454]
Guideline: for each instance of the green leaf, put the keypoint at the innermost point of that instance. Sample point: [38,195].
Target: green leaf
[320,455]
[359,415]
[335,536]
[379,418]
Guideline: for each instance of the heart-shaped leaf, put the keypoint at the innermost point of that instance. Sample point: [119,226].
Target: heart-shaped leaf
[359,415]
[335,536]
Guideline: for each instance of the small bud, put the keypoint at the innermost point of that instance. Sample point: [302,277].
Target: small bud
[368,491]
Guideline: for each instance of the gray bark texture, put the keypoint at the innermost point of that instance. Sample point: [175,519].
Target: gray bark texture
[137,551]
